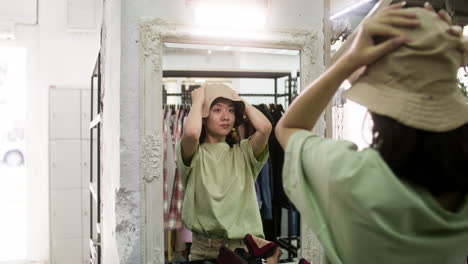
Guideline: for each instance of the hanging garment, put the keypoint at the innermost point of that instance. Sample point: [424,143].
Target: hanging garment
[175,212]
[170,162]
[264,179]
[186,235]
[259,193]
[168,166]
[277,159]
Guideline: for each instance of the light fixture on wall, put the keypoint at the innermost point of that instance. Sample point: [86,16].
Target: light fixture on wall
[349,9]
[230,15]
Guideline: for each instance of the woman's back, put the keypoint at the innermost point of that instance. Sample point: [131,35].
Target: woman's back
[363,213]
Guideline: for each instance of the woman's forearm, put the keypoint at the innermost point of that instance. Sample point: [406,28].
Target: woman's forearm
[308,106]
[259,121]
[192,131]
[193,123]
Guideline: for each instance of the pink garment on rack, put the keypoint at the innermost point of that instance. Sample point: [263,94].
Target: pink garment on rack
[175,213]
[177,199]
[170,162]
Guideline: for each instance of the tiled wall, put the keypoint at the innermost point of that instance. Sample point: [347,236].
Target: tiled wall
[69,151]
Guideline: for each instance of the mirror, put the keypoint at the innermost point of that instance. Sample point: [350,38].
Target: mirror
[175,58]
[267,79]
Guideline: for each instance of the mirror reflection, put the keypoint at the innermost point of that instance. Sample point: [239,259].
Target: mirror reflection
[222,162]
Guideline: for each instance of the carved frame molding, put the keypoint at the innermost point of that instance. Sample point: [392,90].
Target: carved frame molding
[153,33]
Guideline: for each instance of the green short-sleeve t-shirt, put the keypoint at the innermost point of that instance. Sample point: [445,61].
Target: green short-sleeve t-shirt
[362,213]
[219,184]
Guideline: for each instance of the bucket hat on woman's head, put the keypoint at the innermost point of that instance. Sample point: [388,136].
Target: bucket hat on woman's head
[417,84]
[214,91]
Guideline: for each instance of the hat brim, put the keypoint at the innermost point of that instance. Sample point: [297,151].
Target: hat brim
[436,113]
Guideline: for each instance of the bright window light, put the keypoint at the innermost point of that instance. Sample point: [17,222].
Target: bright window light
[230,16]
[349,9]
[465,31]
[14,178]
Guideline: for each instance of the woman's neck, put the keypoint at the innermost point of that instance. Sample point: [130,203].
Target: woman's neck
[214,139]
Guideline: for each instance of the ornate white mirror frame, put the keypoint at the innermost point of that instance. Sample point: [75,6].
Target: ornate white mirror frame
[153,33]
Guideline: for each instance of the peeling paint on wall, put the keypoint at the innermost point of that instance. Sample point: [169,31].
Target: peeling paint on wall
[128,226]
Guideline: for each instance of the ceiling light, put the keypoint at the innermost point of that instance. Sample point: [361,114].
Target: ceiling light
[229,34]
[230,16]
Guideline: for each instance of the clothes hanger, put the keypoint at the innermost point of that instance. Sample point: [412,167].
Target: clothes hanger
[281,110]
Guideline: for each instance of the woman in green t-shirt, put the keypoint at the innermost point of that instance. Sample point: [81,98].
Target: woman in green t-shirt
[405,199]
[218,172]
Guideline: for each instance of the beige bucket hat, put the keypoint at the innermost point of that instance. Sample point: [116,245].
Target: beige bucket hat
[214,91]
[417,84]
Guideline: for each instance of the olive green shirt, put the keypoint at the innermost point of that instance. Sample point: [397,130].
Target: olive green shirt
[220,199]
[362,213]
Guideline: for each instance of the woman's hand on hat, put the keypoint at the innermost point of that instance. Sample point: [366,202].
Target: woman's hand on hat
[385,24]
[465,43]
[444,15]
[198,95]
[456,30]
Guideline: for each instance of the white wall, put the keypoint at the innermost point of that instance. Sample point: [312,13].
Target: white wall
[69,149]
[66,60]
[55,57]
[111,127]
[297,14]
[22,12]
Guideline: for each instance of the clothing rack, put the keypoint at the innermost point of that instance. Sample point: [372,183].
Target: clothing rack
[232,74]
[286,243]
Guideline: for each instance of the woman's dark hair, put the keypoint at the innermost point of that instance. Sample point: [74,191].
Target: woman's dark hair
[231,138]
[436,161]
